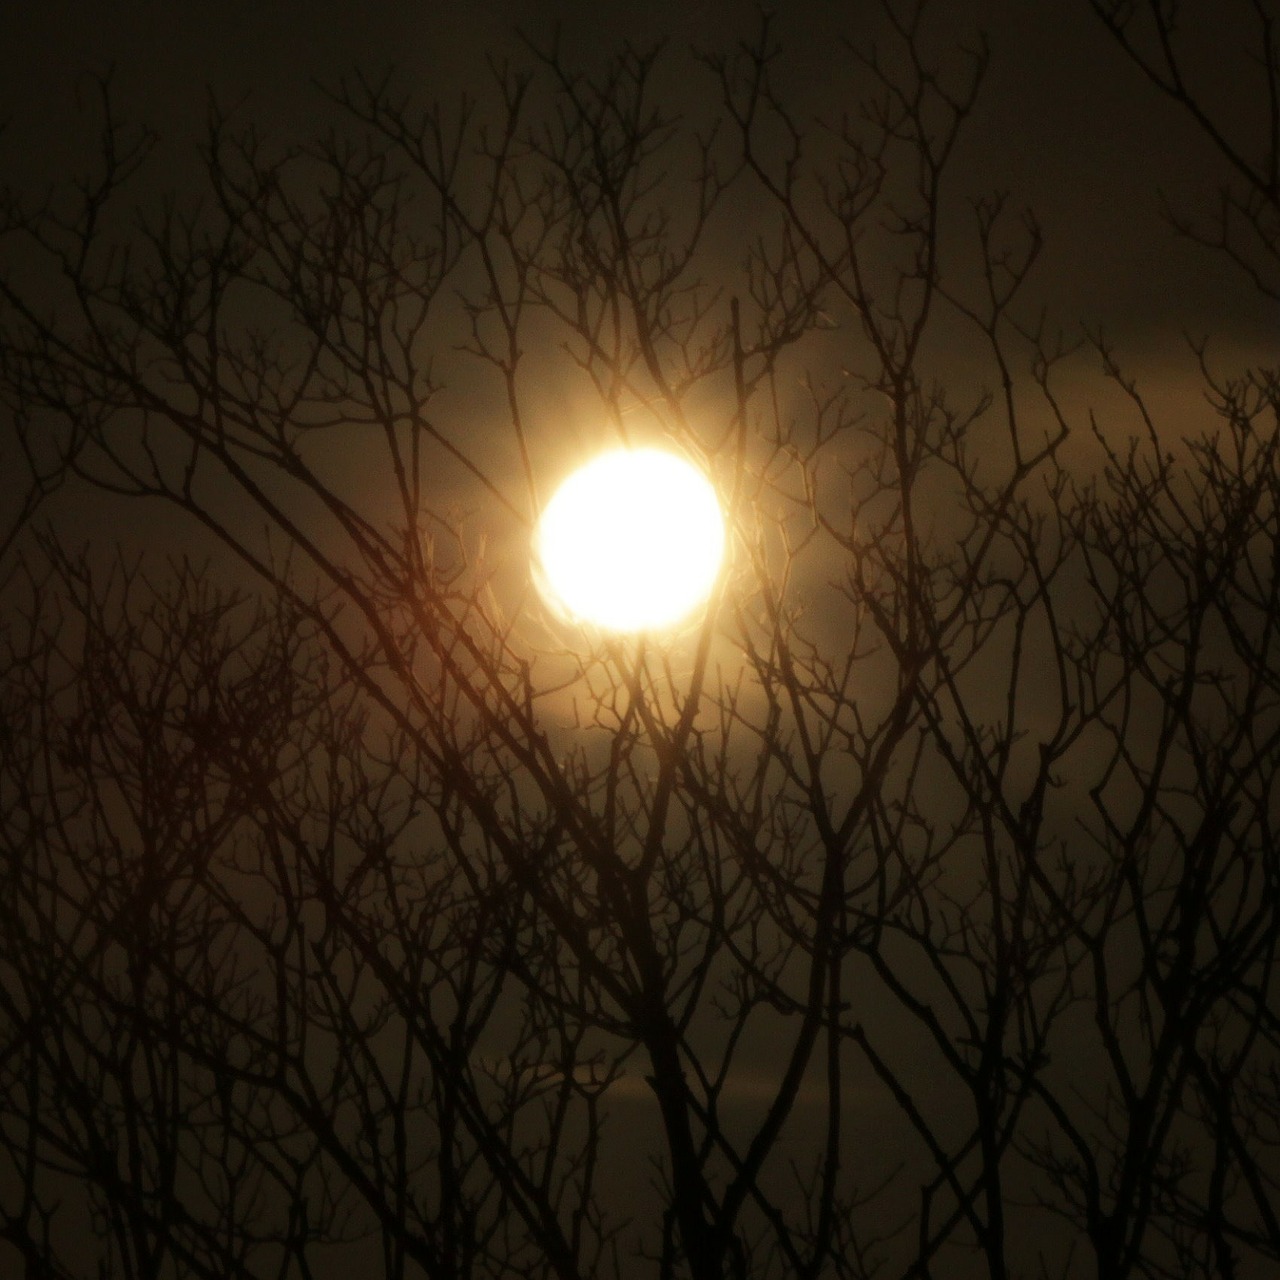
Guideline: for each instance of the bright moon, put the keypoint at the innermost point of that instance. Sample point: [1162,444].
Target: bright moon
[632,541]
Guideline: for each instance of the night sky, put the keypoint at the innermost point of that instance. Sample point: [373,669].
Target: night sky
[1065,125]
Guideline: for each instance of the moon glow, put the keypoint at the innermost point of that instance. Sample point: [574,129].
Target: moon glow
[632,541]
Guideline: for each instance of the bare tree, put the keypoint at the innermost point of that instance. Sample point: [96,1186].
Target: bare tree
[1243,225]
[914,912]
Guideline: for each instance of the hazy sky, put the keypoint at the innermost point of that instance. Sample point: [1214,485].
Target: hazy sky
[1065,123]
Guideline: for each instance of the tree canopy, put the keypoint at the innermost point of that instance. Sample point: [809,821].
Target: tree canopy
[912,912]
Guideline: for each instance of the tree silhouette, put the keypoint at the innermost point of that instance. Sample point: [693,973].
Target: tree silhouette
[915,912]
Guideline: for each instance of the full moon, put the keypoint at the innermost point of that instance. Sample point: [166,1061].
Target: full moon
[632,541]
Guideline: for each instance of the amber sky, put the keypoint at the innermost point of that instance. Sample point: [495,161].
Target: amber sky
[1065,124]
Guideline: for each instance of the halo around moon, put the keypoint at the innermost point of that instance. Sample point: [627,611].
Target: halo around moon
[631,541]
